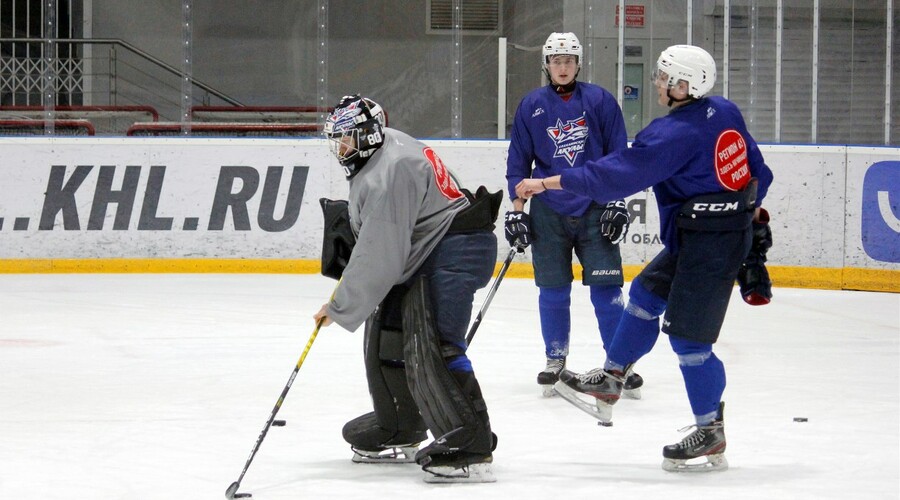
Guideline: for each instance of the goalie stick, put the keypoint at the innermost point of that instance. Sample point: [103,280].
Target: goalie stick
[490,296]
[231,493]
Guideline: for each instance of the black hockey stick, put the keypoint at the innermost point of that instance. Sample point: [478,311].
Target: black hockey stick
[490,296]
[231,493]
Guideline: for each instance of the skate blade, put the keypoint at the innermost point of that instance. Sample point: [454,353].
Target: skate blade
[397,455]
[475,473]
[599,410]
[548,391]
[632,393]
[706,463]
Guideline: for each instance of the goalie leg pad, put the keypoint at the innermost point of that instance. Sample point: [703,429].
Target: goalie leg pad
[396,420]
[455,412]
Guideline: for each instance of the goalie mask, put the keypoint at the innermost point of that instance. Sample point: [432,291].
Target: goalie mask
[355,130]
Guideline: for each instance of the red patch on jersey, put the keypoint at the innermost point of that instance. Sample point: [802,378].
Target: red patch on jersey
[732,168]
[442,177]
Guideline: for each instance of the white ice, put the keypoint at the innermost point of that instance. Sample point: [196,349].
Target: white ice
[157,387]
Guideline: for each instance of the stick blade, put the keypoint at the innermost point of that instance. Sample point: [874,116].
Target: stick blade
[231,493]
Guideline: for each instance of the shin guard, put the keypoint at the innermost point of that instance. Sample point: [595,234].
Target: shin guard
[396,419]
[457,419]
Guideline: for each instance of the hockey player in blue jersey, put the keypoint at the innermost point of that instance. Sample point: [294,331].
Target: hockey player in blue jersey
[709,178]
[558,127]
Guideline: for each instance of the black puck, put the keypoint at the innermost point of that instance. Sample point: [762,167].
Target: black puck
[279,423]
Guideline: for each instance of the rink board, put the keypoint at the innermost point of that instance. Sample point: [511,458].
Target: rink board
[252,205]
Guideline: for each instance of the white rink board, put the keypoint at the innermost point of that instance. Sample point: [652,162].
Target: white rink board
[205,205]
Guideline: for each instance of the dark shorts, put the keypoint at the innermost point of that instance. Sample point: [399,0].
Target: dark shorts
[697,283]
[557,236]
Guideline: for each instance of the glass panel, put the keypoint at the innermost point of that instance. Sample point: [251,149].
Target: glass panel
[851,73]
[895,77]
[752,65]
[437,81]
[796,74]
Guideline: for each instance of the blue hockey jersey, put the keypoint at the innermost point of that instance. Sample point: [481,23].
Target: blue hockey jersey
[700,148]
[556,135]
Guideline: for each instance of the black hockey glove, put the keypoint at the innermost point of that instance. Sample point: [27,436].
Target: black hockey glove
[614,221]
[518,229]
[753,277]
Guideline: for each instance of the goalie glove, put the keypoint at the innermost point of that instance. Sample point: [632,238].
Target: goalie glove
[614,221]
[517,225]
[753,277]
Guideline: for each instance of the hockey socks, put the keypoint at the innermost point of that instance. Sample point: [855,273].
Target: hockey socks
[608,305]
[556,322]
[704,377]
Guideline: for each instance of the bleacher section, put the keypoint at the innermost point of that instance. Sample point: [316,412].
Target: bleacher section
[104,120]
[143,121]
[38,127]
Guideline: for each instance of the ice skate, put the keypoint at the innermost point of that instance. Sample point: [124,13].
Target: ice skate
[373,444]
[399,454]
[632,387]
[702,451]
[550,375]
[460,467]
[604,387]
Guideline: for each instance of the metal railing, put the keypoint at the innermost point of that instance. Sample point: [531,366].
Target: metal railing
[93,78]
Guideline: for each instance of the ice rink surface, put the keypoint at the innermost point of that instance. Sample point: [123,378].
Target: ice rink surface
[157,386]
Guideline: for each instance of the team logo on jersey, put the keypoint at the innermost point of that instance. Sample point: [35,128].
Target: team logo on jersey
[732,168]
[442,177]
[569,138]
[537,112]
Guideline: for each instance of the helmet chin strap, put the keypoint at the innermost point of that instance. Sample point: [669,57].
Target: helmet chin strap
[673,100]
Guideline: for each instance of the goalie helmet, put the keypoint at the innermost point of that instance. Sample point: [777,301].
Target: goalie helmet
[355,130]
[561,44]
[689,63]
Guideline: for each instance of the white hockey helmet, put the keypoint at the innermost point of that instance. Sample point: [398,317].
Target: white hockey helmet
[561,44]
[689,63]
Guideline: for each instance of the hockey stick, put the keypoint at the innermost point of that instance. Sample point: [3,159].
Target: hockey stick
[231,493]
[487,301]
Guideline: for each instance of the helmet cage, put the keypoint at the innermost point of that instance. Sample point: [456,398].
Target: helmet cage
[355,130]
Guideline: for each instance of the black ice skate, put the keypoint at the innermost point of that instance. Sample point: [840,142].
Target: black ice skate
[550,375]
[373,444]
[460,467]
[389,454]
[604,386]
[705,446]
[445,464]
[632,387]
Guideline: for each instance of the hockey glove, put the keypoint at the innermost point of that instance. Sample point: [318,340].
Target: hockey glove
[518,229]
[614,221]
[753,277]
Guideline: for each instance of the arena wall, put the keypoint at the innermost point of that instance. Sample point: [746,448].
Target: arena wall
[252,205]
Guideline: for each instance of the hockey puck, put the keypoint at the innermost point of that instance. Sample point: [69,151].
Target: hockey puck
[279,423]
[800,419]
[604,424]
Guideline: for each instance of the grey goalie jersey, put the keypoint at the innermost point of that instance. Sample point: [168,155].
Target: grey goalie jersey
[402,202]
